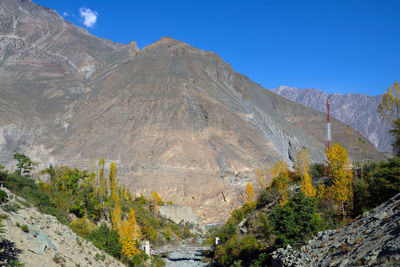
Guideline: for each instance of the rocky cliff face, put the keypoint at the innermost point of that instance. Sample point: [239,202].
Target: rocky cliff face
[45,242]
[176,119]
[357,110]
[372,240]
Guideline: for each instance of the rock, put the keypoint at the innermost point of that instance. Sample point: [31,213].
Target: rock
[36,245]
[182,214]
[367,241]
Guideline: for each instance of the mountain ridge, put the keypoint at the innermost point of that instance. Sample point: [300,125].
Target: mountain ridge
[357,110]
[176,119]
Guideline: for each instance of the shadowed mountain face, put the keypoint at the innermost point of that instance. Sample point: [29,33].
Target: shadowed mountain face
[175,119]
[357,110]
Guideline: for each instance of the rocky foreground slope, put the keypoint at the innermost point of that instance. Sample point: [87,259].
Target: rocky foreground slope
[176,119]
[45,241]
[372,240]
[357,110]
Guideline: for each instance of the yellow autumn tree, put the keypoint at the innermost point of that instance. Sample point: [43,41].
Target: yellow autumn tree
[389,110]
[389,107]
[249,194]
[260,179]
[130,234]
[280,180]
[155,200]
[302,168]
[341,189]
[116,218]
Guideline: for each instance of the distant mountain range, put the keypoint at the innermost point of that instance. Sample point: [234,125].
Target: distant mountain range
[357,110]
[176,119]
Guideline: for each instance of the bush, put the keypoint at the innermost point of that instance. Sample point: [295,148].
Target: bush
[317,170]
[82,226]
[239,248]
[296,221]
[25,228]
[107,240]
[26,188]
[3,196]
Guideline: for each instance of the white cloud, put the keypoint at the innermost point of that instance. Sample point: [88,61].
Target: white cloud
[89,16]
[65,14]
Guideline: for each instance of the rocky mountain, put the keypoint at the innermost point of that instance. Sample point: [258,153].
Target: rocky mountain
[37,239]
[357,110]
[176,119]
[372,240]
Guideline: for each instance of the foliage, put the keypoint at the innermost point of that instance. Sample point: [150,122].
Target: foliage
[296,221]
[82,226]
[389,107]
[250,194]
[107,240]
[24,165]
[25,228]
[3,196]
[302,168]
[266,226]
[381,182]
[341,190]
[242,248]
[155,200]
[281,180]
[130,234]
[317,170]
[29,190]
[113,183]
[395,131]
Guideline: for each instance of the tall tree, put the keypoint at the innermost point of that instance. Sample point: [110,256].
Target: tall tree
[342,188]
[249,193]
[302,168]
[389,110]
[113,183]
[280,180]
[130,234]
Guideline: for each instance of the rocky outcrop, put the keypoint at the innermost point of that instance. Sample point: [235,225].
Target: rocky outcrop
[372,240]
[183,215]
[357,110]
[37,239]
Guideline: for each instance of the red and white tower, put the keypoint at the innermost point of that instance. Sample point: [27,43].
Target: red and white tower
[328,124]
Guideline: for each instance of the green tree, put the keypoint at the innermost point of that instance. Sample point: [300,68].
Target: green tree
[296,221]
[395,131]
[24,165]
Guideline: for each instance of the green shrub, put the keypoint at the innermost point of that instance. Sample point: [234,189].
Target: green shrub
[317,170]
[25,228]
[296,221]
[239,248]
[3,196]
[107,240]
[265,198]
[26,188]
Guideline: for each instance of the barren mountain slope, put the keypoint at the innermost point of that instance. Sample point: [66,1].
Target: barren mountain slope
[175,119]
[357,110]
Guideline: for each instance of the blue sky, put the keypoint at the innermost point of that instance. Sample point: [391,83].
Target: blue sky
[349,46]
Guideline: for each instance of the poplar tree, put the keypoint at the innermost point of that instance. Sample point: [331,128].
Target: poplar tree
[389,110]
[249,193]
[341,190]
[302,168]
[281,180]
